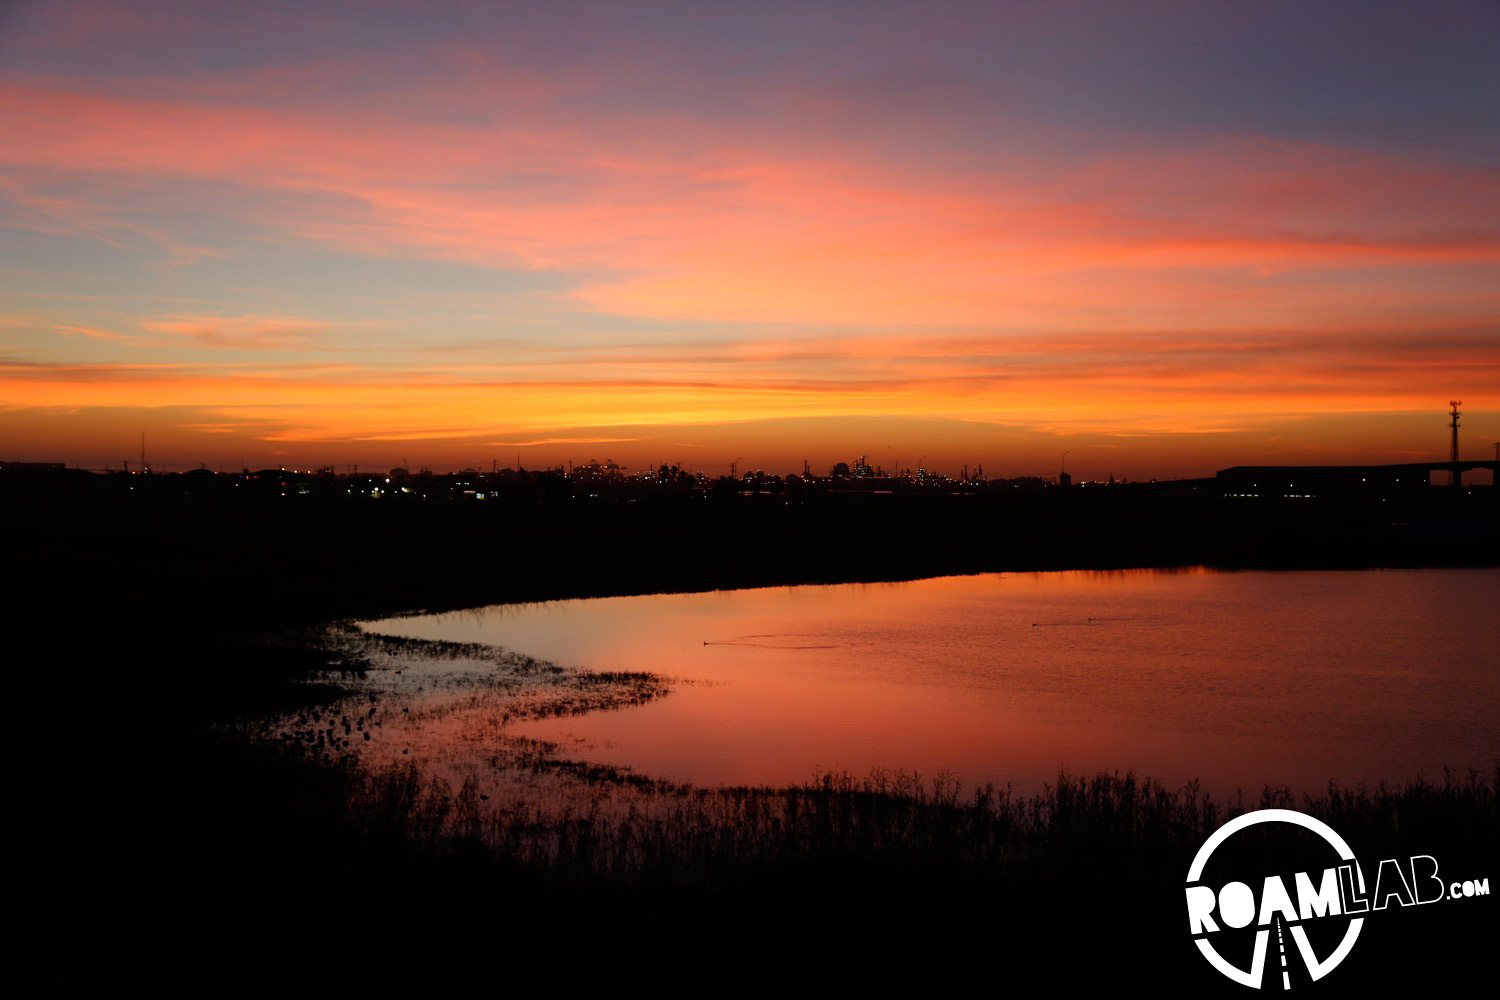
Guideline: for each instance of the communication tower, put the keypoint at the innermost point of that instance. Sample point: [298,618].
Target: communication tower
[1453,414]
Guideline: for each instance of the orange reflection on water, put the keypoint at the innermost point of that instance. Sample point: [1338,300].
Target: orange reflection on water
[1238,679]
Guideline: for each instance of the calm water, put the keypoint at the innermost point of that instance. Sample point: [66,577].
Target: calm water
[1239,679]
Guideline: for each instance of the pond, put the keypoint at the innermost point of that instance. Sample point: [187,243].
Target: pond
[1237,679]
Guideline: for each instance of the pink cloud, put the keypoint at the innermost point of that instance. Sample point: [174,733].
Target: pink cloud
[681,218]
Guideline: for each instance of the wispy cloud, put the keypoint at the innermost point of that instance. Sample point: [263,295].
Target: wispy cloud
[559,440]
[95,333]
[255,331]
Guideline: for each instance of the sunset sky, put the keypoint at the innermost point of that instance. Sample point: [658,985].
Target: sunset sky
[1164,237]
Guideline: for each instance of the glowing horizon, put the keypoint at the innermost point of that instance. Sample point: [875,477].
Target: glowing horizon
[1165,239]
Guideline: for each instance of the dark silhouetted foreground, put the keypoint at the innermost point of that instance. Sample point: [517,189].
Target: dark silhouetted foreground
[149,847]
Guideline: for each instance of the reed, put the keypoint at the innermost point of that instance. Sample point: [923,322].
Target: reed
[595,827]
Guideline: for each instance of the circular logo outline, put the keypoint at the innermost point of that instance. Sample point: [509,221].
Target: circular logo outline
[1315,968]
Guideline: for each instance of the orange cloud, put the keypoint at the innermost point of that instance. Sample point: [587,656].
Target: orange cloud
[1085,382]
[96,333]
[257,331]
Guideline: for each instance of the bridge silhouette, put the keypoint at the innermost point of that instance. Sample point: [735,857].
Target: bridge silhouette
[1345,478]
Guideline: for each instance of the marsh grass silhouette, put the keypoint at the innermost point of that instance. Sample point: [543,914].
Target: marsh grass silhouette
[609,828]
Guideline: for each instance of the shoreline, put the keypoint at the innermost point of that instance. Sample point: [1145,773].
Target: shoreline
[245,567]
[150,820]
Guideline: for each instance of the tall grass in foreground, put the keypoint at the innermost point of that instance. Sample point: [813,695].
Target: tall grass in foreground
[605,831]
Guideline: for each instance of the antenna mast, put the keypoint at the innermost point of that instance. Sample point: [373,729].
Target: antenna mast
[1453,415]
